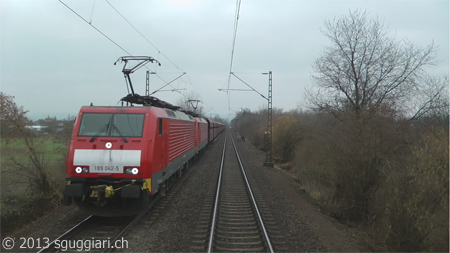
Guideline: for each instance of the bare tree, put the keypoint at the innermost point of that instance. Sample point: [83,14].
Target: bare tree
[364,68]
[431,98]
[13,118]
[33,166]
[366,78]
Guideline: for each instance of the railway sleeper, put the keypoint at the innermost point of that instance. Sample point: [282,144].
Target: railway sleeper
[235,209]
[224,227]
[235,206]
[238,243]
[239,237]
[238,223]
[259,249]
[238,212]
[235,215]
[253,232]
[237,219]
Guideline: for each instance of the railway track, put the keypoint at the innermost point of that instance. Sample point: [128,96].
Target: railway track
[105,231]
[102,231]
[236,222]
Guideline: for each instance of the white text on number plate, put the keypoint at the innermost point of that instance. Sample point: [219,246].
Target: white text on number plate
[106,169]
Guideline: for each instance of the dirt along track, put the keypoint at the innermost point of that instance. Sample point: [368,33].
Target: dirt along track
[301,225]
[172,229]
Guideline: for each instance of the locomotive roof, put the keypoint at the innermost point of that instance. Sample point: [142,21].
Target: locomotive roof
[157,111]
[202,120]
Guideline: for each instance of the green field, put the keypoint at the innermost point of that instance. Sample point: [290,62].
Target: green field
[22,201]
[49,151]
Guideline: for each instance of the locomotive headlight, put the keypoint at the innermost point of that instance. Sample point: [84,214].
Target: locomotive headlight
[133,171]
[80,169]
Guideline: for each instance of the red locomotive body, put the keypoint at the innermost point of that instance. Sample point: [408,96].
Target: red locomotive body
[120,156]
[201,137]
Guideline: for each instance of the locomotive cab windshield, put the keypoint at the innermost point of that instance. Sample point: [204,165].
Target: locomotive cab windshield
[111,125]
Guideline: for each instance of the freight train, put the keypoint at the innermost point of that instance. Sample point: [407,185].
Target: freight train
[119,157]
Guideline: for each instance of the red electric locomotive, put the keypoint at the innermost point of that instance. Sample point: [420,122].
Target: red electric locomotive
[201,138]
[120,156]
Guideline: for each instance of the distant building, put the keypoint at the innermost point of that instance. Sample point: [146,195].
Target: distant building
[36,128]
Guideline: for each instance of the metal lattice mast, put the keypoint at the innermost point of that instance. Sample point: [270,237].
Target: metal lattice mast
[268,134]
[147,84]
[269,162]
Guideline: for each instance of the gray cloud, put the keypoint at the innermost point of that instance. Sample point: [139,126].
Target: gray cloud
[54,63]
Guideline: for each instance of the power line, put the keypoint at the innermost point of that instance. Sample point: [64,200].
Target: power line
[92,12]
[98,30]
[95,28]
[159,51]
[115,43]
[236,22]
[143,36]
[235,27]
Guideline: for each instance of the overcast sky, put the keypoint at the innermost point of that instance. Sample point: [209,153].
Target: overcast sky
[53,62]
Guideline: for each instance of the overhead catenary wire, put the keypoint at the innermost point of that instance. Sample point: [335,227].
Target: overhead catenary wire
[115,43]
[127,52]
[92,12]
[143,36]
[236,22]
[235,28]
[180,71]
[98,30]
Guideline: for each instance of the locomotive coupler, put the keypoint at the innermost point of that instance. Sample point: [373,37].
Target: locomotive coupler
[102,192]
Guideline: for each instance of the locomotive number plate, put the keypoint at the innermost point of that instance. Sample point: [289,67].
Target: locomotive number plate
[106,169]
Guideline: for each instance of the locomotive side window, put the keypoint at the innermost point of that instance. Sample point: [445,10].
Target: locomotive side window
[113,125]
[160,127]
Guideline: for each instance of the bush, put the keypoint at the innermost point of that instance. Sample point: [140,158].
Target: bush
[345,156]
[375,170]
[389,177]
[27,153]
[18,210]
[414,197]
[30,166]
[287,133]
[252,127]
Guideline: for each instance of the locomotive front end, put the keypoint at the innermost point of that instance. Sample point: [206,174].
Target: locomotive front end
[107,159]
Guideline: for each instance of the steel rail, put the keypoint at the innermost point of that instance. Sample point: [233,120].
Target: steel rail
[216,203]
[91,218]
[50,245]
[266,235]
